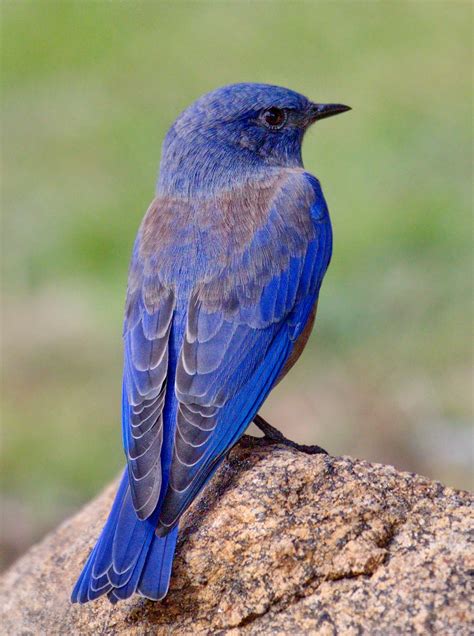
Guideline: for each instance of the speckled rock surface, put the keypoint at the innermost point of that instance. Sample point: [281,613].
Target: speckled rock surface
[280,543]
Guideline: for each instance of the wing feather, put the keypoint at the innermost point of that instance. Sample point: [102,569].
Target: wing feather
[149,313]
[240,329]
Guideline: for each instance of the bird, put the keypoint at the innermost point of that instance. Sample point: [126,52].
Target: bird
[222,292]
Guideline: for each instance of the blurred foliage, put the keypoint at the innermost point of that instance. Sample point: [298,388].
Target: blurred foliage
[89,90]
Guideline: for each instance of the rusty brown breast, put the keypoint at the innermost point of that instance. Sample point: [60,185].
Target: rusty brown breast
[300,344]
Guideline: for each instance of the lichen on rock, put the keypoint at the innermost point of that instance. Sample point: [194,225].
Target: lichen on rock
[280,542]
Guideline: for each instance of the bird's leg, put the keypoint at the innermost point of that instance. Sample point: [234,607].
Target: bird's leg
[274,435]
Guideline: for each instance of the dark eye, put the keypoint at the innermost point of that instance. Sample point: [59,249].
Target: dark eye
[273,118]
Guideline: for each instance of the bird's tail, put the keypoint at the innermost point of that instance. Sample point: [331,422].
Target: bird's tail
[128,557]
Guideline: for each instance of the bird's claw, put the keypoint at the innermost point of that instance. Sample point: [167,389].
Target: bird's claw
[274,435]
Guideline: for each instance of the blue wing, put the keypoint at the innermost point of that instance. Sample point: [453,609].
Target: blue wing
[241,325]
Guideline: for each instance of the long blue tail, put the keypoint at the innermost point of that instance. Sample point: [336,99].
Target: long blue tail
[128,557]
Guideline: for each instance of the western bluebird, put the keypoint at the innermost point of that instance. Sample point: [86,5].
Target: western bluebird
[222,290]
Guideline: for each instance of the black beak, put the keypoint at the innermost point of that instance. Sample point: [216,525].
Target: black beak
[321,111]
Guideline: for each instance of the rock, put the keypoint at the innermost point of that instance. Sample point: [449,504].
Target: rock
[280,543]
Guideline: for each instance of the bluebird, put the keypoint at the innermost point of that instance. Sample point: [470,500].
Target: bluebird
[222,292]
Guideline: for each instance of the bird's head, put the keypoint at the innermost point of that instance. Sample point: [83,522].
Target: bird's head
[237,130]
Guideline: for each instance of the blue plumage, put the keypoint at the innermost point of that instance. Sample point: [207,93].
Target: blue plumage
[222,290]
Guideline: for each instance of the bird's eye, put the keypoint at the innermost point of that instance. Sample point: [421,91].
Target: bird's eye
[273,118]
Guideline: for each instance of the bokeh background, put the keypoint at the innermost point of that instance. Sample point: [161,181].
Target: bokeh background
[89,89]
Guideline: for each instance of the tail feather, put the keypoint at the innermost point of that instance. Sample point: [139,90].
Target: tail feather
[155,577]
[126,585]
[130,535]
[103,548]
[87,587]
[128,556]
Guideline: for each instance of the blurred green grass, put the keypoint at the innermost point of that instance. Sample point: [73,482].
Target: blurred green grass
[89,90]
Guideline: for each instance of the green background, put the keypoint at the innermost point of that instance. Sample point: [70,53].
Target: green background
[89,90]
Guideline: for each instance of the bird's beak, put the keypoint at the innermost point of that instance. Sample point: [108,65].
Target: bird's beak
[321,111]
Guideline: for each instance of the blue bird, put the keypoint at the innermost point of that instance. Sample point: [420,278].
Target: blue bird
[222,293]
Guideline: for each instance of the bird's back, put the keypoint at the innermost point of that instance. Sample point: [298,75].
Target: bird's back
[223,275]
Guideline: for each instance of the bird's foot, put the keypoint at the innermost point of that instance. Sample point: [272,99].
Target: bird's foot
[274,435]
